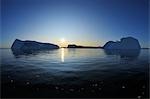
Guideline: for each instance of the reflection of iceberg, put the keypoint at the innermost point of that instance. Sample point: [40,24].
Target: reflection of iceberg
[18,53]
[124,53]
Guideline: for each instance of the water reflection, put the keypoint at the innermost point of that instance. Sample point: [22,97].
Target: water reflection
[125,54]
[62,54]
[90,69]
[19,53]
[79,53]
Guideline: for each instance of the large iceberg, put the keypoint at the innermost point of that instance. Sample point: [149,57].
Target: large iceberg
[31,46]
[128,43]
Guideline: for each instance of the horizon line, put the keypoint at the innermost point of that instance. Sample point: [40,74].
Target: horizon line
[85,47]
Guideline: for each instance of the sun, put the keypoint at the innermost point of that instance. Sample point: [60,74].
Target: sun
[62,40]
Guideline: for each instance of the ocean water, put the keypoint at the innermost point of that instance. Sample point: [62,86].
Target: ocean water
[75,73]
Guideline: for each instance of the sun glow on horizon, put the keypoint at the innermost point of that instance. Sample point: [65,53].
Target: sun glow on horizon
[63,42]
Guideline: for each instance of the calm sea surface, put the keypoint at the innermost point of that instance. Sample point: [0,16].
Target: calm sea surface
[75,71]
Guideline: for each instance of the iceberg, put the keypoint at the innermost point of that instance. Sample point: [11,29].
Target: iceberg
[127,43]
[31,46]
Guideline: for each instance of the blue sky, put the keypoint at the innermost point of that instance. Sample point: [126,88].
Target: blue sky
[83,22]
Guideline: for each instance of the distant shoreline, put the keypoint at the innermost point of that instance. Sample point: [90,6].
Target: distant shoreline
[81,48]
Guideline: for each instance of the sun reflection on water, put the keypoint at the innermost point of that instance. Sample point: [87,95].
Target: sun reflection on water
[62,54]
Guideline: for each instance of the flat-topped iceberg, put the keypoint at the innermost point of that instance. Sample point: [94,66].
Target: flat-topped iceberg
[31,46]
[128,43]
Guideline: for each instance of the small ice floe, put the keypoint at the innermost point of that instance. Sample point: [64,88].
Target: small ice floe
[95,85]
[11,81]
[71,89]
[56,88]
[28,83]
[123,87]
[139,97]
[143,93]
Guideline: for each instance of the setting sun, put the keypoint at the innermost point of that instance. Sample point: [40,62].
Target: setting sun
[62,40]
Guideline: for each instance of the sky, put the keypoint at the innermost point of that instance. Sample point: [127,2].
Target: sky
[81,22]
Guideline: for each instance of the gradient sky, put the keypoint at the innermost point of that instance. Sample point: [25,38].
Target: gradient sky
[83,22]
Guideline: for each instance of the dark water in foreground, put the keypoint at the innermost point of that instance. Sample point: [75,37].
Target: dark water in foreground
[75,73]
